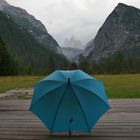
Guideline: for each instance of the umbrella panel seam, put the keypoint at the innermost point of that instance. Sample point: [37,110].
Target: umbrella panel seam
[81,109]
[92,93]
[46,94]
[55,116]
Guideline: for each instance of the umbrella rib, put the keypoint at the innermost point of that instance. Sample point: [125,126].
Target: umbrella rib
[82,79]
[81,109]
[46,94]
[92,93]
[74,74]
[62,74]
[51,80]
[57,110]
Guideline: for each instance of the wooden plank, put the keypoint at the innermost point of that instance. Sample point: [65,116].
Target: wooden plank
[120,102]
[117,106]
[42,127]
[44,130]
[99,123]
[137,120]
[20,137]
[94,133]
[107,117]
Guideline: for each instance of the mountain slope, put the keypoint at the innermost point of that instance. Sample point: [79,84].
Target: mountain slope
[7,64]
[24,48]
[120,32]
[32,25]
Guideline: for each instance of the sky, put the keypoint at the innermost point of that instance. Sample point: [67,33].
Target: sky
[65,18]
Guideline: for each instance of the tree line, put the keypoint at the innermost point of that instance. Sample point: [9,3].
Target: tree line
[116,64]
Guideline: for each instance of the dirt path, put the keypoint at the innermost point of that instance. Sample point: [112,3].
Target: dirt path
[24,93]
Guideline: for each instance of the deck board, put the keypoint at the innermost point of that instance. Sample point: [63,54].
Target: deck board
[121,122]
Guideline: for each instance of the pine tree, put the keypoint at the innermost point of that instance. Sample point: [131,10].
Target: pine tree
[7,65]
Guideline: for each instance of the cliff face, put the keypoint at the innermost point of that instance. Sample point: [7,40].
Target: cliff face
[32,25]
[120,32]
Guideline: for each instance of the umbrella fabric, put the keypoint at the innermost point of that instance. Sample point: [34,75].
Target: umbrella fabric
[69,101]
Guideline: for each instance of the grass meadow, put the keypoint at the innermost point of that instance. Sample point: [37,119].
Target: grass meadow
[117,86]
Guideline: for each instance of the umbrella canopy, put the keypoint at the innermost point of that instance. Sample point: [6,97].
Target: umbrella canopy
[69,101]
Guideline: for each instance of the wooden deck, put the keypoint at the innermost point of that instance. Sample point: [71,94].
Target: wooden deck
[122,122]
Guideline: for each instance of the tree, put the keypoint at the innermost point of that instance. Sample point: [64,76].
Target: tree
[84,64]
[7,65]
[73,66]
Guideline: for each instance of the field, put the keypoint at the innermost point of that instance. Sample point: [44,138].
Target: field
[117,86]
[121,86]
[15,82]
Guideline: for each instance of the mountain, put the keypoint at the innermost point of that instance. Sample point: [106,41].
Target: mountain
[32,26]
[72,43]
[29,54]
[119,33]
[71,53]
[72,48]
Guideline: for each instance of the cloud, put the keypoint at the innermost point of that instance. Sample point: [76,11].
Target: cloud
[66,18]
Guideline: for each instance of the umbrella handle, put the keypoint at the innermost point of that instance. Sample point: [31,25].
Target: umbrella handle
[70,121]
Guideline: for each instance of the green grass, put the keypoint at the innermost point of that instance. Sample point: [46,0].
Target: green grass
[121,86]
[12,82]
[117,86]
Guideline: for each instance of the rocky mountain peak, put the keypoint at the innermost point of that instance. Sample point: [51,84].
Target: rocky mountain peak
[121,8]
[72,43]
[3,4]
[122,5]
[120,32]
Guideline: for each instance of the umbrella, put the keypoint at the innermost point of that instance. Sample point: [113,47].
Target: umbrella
[69,101]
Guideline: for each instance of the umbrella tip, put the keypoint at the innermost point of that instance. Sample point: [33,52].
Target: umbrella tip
[68,80]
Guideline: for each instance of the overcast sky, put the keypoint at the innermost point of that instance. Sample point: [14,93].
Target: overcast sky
[66,18]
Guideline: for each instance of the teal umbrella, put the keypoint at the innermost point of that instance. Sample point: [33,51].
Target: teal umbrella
[69,101]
